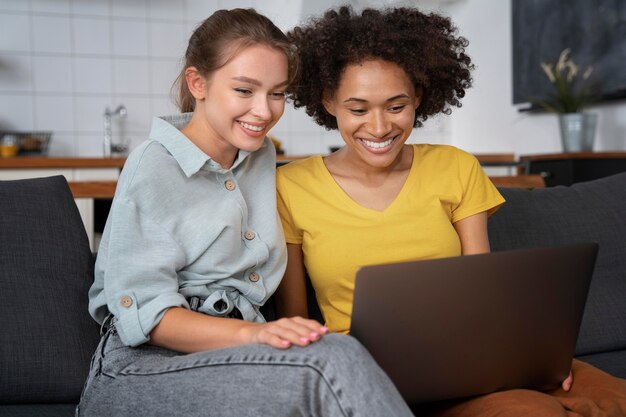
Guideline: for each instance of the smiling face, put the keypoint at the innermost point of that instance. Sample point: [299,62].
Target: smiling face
[239,103]
[375,109]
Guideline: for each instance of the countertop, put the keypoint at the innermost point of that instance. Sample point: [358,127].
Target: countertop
[29,162]
[41,162]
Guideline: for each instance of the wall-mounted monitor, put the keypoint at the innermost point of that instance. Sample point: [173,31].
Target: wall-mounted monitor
[594,30]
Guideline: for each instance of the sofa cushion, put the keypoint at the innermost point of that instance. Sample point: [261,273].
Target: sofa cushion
[38,410]
[46,267]
[613,362]
[593,211]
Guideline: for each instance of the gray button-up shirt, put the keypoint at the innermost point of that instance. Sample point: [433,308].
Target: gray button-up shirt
[180,226]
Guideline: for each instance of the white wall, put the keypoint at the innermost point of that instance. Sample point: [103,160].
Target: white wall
[63,61]
[488,122]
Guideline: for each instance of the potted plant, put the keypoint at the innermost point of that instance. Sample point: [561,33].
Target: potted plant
[572,93]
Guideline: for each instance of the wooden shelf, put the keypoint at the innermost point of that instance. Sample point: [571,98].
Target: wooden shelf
[27,162]
[574,155]
[519,181]
[93,189]
[496,159]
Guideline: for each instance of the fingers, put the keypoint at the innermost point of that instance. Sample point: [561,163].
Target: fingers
[315,329]
[298,331]
[286,332]
[567,383]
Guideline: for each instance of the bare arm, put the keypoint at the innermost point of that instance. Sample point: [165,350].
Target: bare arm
[291,294]
[472,232]
[188,331]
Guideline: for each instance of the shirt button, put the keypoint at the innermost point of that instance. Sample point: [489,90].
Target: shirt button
[126,301]
[249,235]
[254,277]
[230,185]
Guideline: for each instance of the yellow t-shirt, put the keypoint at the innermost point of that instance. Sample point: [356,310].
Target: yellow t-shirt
[338,235]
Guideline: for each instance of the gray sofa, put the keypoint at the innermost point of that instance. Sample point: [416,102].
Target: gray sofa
[47,337]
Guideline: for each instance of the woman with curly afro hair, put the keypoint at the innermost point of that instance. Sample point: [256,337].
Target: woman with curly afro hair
[374,77]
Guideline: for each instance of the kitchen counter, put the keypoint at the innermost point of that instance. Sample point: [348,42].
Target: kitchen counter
[93,180]
[42,162]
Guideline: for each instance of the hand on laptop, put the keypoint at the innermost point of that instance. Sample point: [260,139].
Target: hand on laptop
[567,384]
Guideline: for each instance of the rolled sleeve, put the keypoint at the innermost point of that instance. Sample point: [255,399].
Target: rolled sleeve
[141,280]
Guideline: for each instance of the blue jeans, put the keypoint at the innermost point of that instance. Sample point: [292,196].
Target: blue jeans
[335,376]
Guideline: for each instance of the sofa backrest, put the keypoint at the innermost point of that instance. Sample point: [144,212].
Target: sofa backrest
[592,211]
[46,267]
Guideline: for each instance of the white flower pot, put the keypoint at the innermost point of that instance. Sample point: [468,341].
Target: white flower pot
[578,131]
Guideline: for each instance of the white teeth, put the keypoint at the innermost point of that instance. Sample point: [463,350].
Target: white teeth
[377,145]
[254,128]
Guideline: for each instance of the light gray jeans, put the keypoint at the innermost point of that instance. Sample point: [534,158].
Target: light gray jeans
[335,376]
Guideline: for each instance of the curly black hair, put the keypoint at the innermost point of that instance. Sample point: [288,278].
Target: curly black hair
[426,46]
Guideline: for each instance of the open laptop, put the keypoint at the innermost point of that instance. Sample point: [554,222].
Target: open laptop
[470,325]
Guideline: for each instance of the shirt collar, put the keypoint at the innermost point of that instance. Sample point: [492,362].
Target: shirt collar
[166,130]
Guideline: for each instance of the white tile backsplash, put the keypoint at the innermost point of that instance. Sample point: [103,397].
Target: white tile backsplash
[54,113]
[198,10]
[89,145]
[163,74]
[129,8]
[62,143]
[16,73]
[99,8]
[245,4]
[52,34]
[163,106]
[12,112]
[15,32]
[167,10]
[284,13]
[89,112]
[63,61]
[51,6]
[132,76]
[130,37]
[167,40]
[92,36]
[190,27]
[53,75]
[137,121]
[14,6]
[93,75]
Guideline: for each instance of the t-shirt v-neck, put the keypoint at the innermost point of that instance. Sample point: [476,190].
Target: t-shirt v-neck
[343,195]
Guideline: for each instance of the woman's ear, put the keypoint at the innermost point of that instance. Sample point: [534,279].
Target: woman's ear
[329,104]
[196,83]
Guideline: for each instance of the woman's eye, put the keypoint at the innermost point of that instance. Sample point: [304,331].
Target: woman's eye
[397,109]
[358,111]
[278,95]
[243,91]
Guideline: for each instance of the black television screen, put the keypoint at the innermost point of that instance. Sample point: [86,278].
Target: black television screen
[594,30]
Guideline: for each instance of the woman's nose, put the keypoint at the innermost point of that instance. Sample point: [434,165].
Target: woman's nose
[262,109]
[379,125]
